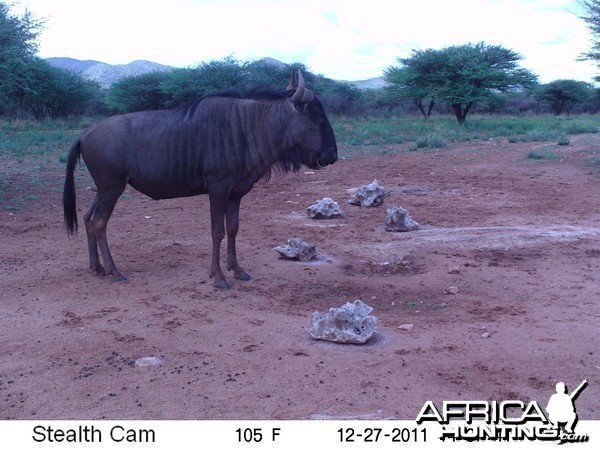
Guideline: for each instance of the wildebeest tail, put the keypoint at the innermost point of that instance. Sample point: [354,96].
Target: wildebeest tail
[69,198]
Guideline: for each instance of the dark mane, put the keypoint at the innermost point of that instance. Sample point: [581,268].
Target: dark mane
[187,110]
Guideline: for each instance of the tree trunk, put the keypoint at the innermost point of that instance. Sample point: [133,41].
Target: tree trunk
[419,103]
[466,111]
[431,103]
[461,114]
[457,108]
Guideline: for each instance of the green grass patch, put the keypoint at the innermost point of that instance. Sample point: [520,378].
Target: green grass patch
[29,152]
[367,135]
[23,138]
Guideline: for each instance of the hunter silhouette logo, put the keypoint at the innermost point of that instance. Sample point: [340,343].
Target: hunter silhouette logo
[508,420]
[561,407]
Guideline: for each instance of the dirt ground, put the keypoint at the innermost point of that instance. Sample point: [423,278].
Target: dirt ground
[518,237]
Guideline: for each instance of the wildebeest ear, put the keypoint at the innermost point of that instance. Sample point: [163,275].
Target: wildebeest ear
[300,107]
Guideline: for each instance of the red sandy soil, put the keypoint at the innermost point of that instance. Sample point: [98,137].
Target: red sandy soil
[518,237]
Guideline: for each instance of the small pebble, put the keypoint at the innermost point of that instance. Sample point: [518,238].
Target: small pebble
[452,290]
[453,269]
[486,334]
[406,326]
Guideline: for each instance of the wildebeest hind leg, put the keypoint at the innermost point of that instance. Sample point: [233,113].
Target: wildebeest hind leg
[95,265]
[233,225]
[96,221]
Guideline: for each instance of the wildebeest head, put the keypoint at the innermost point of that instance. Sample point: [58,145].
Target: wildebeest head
[310,137]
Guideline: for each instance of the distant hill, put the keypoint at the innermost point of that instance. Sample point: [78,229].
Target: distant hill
[371,83]
[107,74]
[274,62]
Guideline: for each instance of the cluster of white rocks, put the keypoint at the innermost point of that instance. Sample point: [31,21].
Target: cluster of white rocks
[350,323]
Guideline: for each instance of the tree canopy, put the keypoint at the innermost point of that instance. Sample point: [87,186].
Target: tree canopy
[456,77]
[167,89]
[592,19]
[18,46]
[416,78]
[459,75]
[563,95]
[28,85]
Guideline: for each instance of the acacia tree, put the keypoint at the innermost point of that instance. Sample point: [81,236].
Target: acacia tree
[460,75]
[563,95]
[18,46]
[415,79]
[27,83]
[592,19]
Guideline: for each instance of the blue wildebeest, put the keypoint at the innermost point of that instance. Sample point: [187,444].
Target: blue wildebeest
[219,145]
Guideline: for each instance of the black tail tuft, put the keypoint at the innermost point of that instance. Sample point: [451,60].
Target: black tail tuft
[69,198]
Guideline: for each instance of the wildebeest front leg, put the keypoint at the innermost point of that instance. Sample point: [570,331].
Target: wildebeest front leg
[218,206]
[233,225]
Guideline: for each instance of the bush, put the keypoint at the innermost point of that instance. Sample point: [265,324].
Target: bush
[139,93]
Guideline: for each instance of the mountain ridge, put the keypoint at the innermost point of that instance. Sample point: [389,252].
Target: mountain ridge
[107,74]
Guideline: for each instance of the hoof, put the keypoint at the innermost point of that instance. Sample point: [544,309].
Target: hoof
[221,284]
[118,277]
[98,271]
[242,276]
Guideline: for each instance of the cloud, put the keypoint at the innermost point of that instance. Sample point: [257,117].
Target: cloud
[340,39]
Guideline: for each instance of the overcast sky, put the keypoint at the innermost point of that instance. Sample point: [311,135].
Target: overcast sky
[341,39]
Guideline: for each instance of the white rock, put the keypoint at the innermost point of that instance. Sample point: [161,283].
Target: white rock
[350,323]
[370,195]
[406,326]
[146,361]
[326,208]
[296,248]
[398,219]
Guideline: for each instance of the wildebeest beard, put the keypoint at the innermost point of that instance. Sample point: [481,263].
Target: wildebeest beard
[291,161]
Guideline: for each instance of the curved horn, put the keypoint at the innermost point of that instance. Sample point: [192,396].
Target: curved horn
[297,97]
[292,84]
[302,95]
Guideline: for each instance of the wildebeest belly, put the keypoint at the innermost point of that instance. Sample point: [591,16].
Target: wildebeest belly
[165,187]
